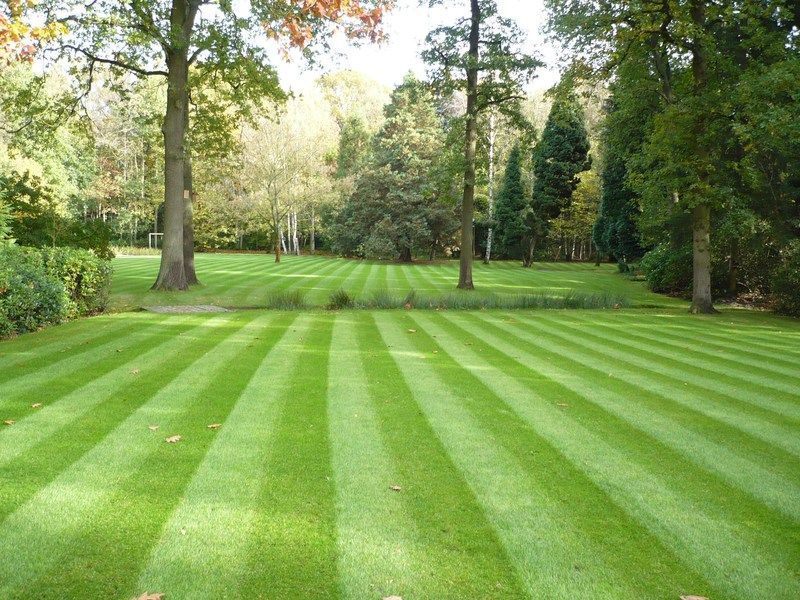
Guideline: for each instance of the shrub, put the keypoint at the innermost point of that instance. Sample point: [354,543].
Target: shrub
[85,277]
[340,299]
[29,297]
[786,281]
[668,270]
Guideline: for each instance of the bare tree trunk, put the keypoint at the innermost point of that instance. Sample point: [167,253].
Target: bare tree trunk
[171,274]
[468,203]
[188,207]
[701,213]
[312,242]
[295,239]
[489,234]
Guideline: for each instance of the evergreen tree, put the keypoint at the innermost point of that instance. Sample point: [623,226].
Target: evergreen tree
[615,231]
[562,153]
[354,148]
[510,203]
[394,206]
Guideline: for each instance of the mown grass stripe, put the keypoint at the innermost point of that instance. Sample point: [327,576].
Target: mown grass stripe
[525,519]
[293,551]
[203,546]
[728,553]
[757,479]
[142,500]
[744,417]
[726,361]
[40,424]
[464,556]
[377,546]
[38,533]
[72,369]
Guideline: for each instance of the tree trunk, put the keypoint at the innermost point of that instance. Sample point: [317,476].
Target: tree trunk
[312,242]
[701,213]
[489,234]
[701,258]
[527,252]
[405,255]
[188,207]
[171,274]
[468,203]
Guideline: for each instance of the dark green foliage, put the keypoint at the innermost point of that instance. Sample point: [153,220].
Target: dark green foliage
[340,299]
[786,282]
[354,140]
[5,224]
[509,206]
[395,207]
[561,154]
[85,277]
[29,297]
[668,270]
[615,231]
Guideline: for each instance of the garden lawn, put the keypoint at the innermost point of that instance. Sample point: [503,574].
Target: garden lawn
[249,280]
[633,454]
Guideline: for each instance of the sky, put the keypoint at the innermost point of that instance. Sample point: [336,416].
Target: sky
[407,25]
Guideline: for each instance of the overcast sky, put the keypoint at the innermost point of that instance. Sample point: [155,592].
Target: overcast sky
[407,25]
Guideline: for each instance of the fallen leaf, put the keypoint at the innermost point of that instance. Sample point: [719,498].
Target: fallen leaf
[135,372]
[173,439]
[149,596]
[693,598]
[412,331]
[562,404]
[393,598]
[36,405]
[215,426]
[153,427]
[395,488]
[9,422]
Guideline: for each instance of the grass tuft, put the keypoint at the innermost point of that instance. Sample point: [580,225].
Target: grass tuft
[286,300]
[340,299]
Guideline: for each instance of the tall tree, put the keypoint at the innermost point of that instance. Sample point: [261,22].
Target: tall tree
[561,154]
[166,38]
[480,56]
[510,203]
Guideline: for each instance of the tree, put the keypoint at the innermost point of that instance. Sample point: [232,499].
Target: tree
[561,154]
[615,230]
[510,203]
[168,39]
[354,148]
[394,207]
[484,45]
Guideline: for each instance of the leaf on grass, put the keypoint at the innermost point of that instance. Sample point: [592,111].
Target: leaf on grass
[214,425]
[412,331]
[36,405]
[393,598]
[9,422]
[395,488]
[149,596]
[153,427]
[561,404]
[693,598]
[173,439]
[135,372]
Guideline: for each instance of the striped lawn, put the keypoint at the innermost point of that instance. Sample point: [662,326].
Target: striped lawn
[631,454]
[248,280]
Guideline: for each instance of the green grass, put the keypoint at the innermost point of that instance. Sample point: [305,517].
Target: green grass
[629,454]
[255,281]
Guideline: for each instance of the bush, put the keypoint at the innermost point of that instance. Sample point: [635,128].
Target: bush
[29,297]
[340,299]
[786,281]
[668,270]
[85,277]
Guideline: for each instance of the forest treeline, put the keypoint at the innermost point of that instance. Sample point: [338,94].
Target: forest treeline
[670,146]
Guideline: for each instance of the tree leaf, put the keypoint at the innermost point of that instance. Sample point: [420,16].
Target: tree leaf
[173,439]
[412,331]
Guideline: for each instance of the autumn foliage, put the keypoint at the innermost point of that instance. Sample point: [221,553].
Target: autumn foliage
[357,19]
